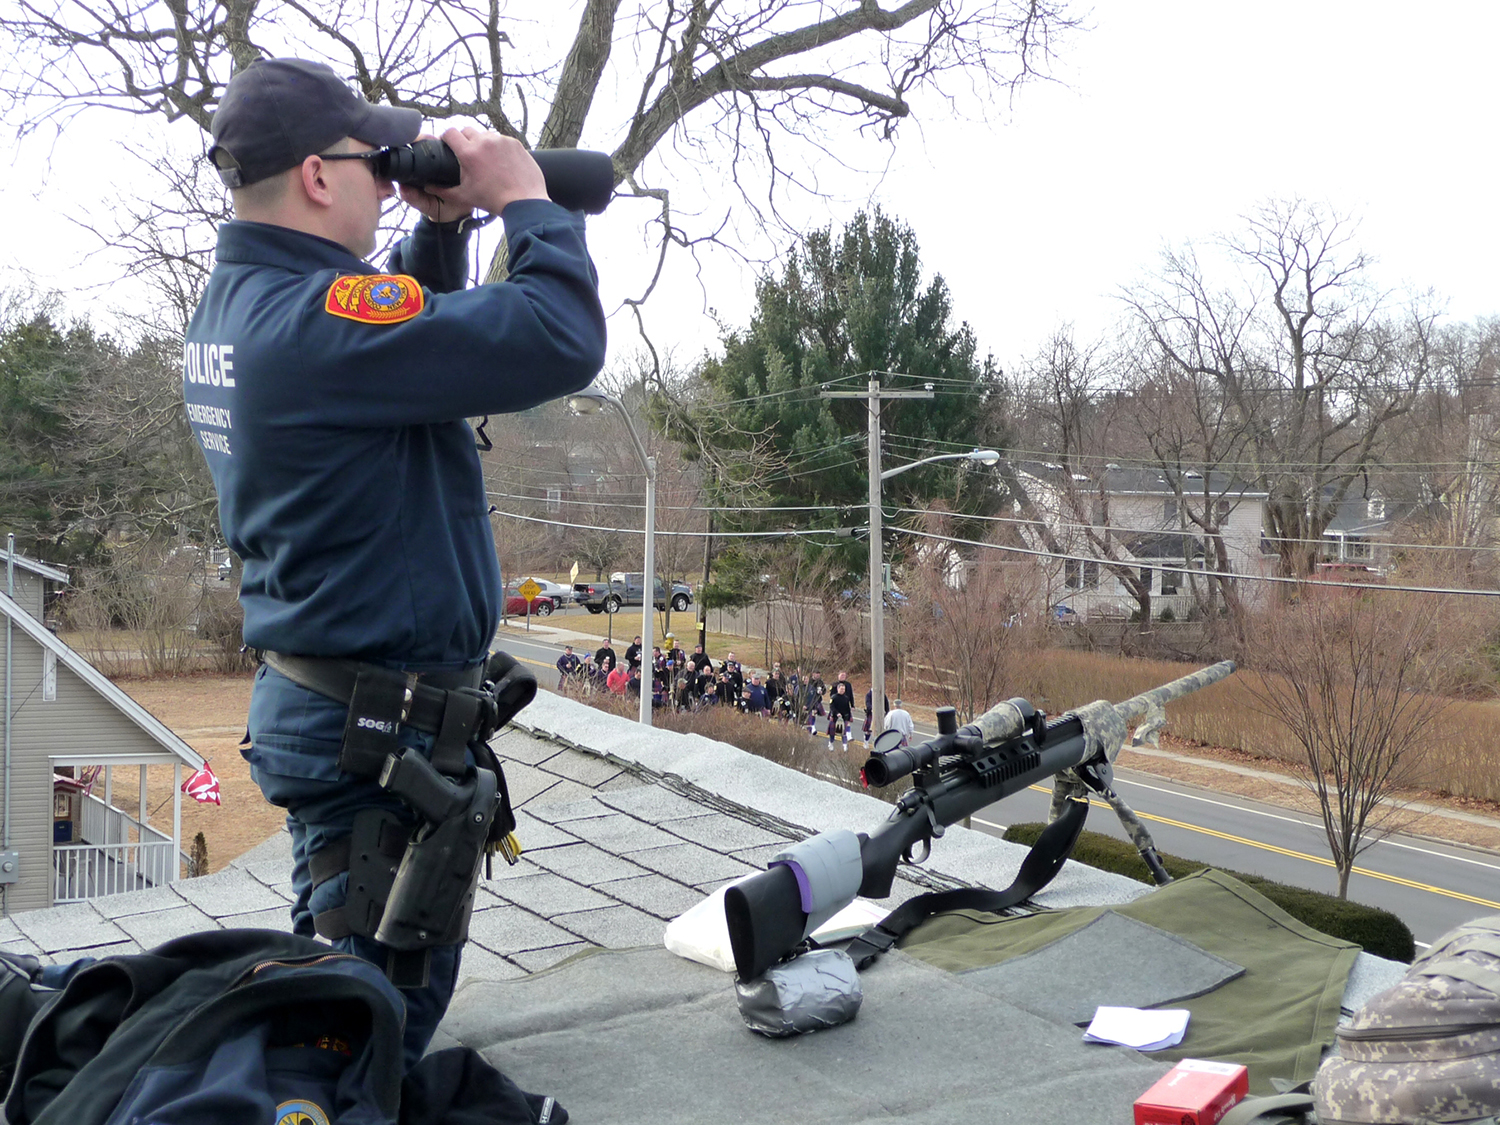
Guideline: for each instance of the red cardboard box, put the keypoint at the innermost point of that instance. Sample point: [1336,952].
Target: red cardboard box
[1194,1092]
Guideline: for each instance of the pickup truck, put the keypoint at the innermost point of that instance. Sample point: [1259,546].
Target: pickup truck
[627,589]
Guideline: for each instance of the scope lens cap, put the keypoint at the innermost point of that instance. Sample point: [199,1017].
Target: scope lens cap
[886,741]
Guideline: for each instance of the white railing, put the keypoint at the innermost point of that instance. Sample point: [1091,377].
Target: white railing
[84,871]
[117,854]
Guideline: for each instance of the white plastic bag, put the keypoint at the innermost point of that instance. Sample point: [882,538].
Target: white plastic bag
[701,933]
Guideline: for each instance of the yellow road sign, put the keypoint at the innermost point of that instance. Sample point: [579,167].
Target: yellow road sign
[529,589]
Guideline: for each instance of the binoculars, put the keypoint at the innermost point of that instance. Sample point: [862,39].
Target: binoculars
[576,178]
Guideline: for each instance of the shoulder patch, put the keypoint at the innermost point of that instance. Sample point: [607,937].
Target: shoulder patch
[382,298]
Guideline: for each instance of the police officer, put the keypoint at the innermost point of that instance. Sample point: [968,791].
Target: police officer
[330,400]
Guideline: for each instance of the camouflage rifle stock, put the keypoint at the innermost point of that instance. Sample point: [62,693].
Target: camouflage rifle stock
[958,773]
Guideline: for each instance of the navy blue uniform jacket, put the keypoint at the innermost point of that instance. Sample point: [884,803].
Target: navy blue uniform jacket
[348,480]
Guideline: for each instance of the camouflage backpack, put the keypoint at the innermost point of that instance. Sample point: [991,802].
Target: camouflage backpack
[1426,1050]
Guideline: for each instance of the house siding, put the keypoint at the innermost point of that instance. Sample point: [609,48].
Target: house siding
[78,722]
[29,591]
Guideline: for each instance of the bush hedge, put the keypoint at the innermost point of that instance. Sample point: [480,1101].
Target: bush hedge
[1376,931]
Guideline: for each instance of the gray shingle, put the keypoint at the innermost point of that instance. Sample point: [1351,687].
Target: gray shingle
[725,833]
[621,782]
[620,834]
[280,919]
[560,812]
[655,894]
[21,946]
[653,803]
[691,864]
[616,927]
[509,929]
[584,863]
[478,963]
[586,769]
[565,792]
[518,746]
[550,895]
[70,927]
[535,960]
[526,782]
[98,952]
[150,930]
[231,891]
[138,902]
[271,863]
[759,857]
[537,834]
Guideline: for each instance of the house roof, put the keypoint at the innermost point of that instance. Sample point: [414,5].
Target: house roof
[149,723]
[624,828]
[56,574]
[1119,480]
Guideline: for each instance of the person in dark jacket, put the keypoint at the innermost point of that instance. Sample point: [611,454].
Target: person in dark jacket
[329,398]
[567,664]
[841,710]
[633,653]
[603,651]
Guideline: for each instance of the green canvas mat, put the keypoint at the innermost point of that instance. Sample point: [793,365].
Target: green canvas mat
[1276,1019]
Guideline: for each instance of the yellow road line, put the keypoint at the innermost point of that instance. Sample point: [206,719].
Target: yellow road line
[1321,861]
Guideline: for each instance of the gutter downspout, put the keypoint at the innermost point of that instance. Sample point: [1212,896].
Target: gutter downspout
[10,592]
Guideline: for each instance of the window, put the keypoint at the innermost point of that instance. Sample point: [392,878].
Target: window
[1358,549]
[1169,510]
[1090,575]
[1146,578]
[1168,582]
[1221,512]
[1072,573]
[554,500]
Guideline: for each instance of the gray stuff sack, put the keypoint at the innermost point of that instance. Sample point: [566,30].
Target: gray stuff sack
[1426,1050]
[811,992]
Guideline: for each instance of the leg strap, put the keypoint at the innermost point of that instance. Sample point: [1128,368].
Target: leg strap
[371,854]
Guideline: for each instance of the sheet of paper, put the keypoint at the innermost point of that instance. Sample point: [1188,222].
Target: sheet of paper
[1145,1029]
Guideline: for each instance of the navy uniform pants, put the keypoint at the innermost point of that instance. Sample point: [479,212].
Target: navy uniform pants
[295,736]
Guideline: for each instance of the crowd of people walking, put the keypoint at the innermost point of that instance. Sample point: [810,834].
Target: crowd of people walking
[694,682]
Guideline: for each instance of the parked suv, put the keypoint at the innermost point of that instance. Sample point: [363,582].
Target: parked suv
[628,589]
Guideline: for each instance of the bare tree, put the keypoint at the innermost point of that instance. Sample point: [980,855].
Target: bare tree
[1070,391]
[1191,432]
[1358,679]
[1307,360]
[976,627]
[729,82]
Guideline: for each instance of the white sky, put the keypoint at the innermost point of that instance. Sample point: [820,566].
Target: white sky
[1173,118]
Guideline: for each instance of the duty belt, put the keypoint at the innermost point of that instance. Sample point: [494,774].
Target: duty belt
[448,704]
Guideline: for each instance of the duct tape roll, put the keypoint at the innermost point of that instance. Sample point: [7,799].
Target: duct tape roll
[828,871]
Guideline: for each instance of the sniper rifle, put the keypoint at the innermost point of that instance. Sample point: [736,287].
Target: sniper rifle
[958,773]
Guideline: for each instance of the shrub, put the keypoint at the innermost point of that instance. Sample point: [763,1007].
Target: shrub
[1375,930]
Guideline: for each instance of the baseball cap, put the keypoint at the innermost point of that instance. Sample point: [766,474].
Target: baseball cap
[277,112]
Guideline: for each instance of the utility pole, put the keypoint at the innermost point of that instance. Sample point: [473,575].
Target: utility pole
[875,394]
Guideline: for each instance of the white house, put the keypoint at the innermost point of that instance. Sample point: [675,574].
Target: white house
[66,731]
[1144,516]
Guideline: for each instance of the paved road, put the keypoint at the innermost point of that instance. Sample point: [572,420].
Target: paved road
[1430,886]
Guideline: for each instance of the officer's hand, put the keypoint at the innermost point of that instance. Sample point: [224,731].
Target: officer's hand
[497,171]
[436,208]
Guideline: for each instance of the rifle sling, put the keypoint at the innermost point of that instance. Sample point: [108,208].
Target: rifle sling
[1041,865]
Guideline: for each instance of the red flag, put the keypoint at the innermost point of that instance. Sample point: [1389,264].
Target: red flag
[203,786]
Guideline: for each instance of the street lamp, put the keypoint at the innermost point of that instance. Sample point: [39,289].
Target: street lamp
[592,401]
[877,591]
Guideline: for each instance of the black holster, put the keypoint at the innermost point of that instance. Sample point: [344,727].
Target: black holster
[433,895]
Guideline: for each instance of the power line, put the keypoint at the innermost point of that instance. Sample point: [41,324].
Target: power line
[1183,570]
[1071,526]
